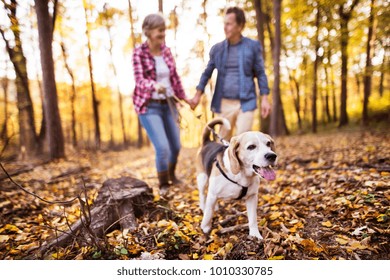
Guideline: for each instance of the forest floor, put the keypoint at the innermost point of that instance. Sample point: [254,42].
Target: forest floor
[330,201]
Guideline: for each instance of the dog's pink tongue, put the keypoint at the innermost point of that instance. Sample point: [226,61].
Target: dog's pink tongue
[268,174]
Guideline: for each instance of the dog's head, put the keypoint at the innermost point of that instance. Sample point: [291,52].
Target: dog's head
[253,153]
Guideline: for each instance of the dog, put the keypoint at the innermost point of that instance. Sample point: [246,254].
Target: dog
[233,171]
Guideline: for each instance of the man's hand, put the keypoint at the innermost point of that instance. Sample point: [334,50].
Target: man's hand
[195,100]
[265,106]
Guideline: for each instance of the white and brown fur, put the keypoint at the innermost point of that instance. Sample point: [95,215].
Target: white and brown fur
[245,153]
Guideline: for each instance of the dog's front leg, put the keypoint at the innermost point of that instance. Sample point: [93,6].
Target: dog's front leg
[208,213]
[202,181]
[251,206]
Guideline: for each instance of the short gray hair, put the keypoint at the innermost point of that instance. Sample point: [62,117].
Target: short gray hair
[152,21]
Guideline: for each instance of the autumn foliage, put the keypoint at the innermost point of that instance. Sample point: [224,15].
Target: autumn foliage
[330,201]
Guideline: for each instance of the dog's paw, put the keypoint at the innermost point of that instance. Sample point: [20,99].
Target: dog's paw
[255,234]
[206,229]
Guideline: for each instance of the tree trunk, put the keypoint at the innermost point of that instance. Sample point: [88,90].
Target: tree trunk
[27,134]
[108,26]
[327,91]
[315,70]
[333,87]
[72,95]
[140,141]
[160,6]
[43,146]
[278,123]
[297,99]
[118,205]
[345,16]
[4,129]
[344,71]
[382,76]
[260,24]
[264,123]
[52,114]
[95,102]
[368,70]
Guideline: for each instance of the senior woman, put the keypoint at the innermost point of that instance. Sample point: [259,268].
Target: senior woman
[156,82]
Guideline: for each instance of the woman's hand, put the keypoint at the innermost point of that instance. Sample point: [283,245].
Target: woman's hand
[160,89]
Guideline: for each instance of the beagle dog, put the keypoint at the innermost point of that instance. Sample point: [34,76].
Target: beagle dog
[233,171]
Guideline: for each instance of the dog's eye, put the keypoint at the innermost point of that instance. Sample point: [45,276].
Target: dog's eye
[269,144]
[251,147]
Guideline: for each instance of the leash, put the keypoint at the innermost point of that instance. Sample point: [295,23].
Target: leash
[215,134]
[225,143]
[244,189]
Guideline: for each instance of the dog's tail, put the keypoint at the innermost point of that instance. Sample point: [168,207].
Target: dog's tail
[210,125]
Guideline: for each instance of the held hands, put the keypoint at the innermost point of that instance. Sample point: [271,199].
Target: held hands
[195,100]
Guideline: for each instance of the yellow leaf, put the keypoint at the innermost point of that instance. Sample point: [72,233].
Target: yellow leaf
[163,223]
[195,256]
[208,257]
[276,258]
[228,246]
[213,247]
[160,244]
[10,228]
[311,246]
[382,218]
[275,215]
[342,240]
[356,245]
[327,224]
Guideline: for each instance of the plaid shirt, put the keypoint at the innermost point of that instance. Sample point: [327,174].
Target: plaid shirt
[144,67]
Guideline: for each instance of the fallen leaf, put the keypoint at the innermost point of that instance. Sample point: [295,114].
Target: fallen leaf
[275,215]
[327,224]
[4,238]
[208,257]
[276,258]
[342,240]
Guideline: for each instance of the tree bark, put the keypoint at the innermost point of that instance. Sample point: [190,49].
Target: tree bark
[4,129]
[27,133]
[315,75]
[72,95]
[327,95]
[140,141]
[108,26]
[368,70]
[95,102]
[52,114]
[345,16]
[278,123]
[119,202]
[260,23]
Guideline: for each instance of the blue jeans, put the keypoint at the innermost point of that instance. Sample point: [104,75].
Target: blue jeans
[163,131]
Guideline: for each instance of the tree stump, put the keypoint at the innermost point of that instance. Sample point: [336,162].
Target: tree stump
[119,202]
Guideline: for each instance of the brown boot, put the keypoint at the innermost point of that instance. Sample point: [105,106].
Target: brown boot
[172,176]
[163,179]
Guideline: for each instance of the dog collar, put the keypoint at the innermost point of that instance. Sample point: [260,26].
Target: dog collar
[244,189]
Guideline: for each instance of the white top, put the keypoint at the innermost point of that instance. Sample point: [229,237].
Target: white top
[163,78]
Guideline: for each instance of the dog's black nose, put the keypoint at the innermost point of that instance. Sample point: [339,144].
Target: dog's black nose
[270,156]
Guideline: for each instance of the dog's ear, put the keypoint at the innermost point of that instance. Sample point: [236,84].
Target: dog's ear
[233,155]
[272,145]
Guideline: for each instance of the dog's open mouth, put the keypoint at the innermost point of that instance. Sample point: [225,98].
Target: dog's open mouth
[266,172]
